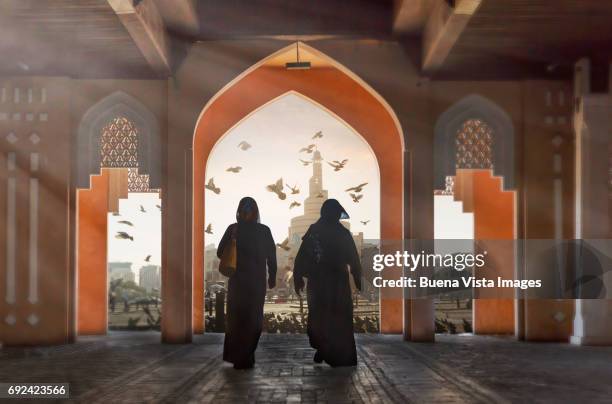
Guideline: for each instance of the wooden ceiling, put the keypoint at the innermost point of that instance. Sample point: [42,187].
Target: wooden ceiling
[523,38]
[79,38]
[504,39]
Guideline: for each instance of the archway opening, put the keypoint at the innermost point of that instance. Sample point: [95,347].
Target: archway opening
[118,221]
[291,155]
[333,87]
[476,213]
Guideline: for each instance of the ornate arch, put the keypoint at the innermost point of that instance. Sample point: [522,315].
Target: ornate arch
[473,107]
[118,104]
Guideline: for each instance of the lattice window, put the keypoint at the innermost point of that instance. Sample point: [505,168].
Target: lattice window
[449,187]
[119,144]
[474,143]
[138,182]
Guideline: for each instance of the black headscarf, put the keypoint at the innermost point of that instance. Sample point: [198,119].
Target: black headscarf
[332,211]
[247,210]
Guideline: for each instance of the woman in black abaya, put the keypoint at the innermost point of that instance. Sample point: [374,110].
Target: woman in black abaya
[326,256]
[256,252]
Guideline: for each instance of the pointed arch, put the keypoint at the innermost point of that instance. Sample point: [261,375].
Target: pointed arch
[118,104]
[450,122]
[335,88]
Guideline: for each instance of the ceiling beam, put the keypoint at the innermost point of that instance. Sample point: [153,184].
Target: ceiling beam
[444,26]
[409,16]
[180,15]
[144,23]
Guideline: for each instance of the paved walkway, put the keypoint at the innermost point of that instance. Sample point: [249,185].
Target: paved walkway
[135,367]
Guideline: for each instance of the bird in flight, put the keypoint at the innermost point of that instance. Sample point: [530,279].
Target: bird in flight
[148,258]
[338,165]
[294,190]
[357,188]
[277,188]
[318,135]
[356,197]
[142,209]
[209,229]
[308,149]
[284,245]
[294,204]
[306,163]
[244,145]
[212,187]
[365,222]
[158,207]
[126,222]
[121,235]
[234,169]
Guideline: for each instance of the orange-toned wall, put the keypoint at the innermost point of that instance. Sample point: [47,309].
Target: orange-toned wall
[91,256]
[341,94]
[494,229]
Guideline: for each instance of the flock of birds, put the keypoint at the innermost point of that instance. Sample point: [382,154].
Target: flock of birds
[278,187]
[124,235]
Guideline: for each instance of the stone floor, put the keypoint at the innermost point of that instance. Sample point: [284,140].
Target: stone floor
[135,367]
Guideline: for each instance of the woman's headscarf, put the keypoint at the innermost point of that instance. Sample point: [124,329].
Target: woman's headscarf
[247,210]
[332,211]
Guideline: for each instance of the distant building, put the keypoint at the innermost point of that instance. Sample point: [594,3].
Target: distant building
[150,277]
[211,265]
[120,270]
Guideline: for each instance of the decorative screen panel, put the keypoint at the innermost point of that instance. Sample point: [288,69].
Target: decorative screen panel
[119,144]
[137,182]
[474,145]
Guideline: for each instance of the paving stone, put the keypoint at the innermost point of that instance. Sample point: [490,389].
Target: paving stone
[136,368]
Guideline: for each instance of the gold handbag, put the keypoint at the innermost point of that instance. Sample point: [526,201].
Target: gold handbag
[227,264]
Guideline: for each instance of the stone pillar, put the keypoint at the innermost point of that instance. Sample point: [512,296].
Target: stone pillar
[177,274]
[593,126]
[546,210]
[37,291]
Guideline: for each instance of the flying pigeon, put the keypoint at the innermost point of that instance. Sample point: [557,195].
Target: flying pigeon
[158,207]
[318,135]
[365,222]
[121,235]
[234,169]
[306,163]
[338,165]
[308,149]
[209,229]
[357,188]
[284,245]
[244,145]
[126,222]
[294,190]
[212,187]
[277,188]
[148,258]
[294,204]
[142,209]
[356,197]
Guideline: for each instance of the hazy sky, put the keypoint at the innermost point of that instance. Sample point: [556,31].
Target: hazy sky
[277,132]
[146,231]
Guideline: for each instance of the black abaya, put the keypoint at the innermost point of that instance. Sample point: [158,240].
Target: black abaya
[247,290]
[325,256]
